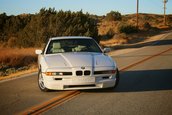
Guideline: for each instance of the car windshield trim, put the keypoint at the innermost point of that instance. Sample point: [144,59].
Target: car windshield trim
[72,45]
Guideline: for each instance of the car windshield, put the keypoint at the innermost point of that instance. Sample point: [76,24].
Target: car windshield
[72,45]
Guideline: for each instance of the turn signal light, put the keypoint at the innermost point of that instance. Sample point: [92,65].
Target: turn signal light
[49,73]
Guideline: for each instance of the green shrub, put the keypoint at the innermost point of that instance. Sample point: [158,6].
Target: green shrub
[113,16]
[146,25]
[126,28]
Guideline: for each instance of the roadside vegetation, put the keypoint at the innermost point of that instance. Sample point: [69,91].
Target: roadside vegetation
[28,30]
[13,60]
[21,35]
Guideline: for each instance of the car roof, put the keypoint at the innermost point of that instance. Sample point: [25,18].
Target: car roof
[71,37]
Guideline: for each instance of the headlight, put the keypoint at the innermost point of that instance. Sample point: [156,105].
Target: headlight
[53,73]
[58,73]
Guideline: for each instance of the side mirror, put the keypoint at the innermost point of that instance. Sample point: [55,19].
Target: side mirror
[38,52]
[106,50]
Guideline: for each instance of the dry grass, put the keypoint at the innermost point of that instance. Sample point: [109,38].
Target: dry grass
[18,74]
[14,57]
[14,60]
[115,40]
[105,26]
[112,42]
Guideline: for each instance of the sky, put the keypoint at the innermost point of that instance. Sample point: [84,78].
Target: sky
[97,7]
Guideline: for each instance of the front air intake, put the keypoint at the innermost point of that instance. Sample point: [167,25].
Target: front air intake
[80,73]
[87,72]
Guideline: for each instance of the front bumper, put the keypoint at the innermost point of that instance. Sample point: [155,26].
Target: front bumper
[79,82]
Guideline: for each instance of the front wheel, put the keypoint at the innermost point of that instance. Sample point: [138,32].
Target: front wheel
[117,78]
[41,82]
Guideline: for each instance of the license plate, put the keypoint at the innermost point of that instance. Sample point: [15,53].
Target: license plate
[84,79]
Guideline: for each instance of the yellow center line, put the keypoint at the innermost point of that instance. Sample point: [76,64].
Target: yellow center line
[145,59]
[68,95]
[40,108]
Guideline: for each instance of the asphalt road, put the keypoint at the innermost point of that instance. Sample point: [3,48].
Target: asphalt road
[145,89]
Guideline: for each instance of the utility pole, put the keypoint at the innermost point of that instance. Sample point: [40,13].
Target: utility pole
[165,1]
[137,14]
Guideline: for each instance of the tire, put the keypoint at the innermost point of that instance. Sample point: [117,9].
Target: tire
[117,78]
[41,82]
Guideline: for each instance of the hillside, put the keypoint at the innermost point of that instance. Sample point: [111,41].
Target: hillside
[149,24]
[154,20]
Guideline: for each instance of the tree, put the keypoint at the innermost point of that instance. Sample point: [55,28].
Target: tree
[113,16]
[49,23]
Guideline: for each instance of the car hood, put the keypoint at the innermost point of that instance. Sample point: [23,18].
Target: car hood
[78,60]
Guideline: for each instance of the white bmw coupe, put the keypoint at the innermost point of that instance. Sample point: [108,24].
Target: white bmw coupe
[71,63]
